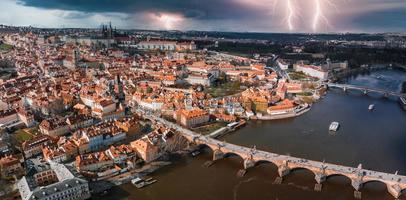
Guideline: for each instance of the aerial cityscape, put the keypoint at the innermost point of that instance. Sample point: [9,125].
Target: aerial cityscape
[206,100]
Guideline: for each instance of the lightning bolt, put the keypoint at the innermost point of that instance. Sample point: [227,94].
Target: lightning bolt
[319,15]
[290,15]
[293,12]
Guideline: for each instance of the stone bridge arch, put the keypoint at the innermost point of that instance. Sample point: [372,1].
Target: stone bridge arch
[252,162]
[329,176]
[265,162]
[298,168]
[317,176]
[219,153]
[374,181]
[403,191]
[189,140]
[232,154]
[203,146]
[348,179]
[356,182]
[393,189]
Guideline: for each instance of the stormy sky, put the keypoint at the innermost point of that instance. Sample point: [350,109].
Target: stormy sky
[217,15]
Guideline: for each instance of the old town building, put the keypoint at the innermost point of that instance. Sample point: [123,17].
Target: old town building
[10,166]
[55,183]
[34,146]
[191,118]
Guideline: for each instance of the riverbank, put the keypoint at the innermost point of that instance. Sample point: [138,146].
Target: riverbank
[227,129]
[306,136]
[98,187]
[297,112]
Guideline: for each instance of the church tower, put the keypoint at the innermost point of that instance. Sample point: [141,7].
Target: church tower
[119,90]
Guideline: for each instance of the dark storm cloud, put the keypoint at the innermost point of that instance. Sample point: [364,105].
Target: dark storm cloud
[394,20]
[232,15]
[196,9]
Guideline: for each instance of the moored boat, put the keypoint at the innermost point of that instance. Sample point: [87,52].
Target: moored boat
[140,183]
[334,126]
[402,102]
[195,153]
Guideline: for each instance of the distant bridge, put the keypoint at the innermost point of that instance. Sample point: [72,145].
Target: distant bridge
[322,171]
[365,90]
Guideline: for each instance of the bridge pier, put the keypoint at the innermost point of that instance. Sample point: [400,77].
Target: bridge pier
[345,89]
[248,163]
[357,195]
[278,180]
[356,184]
[320,178]
[365,92]
[395,190]
[386,95]
[318,187]
[283,170]
[217,154]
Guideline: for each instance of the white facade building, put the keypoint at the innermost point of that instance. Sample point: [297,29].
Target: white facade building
[8,117]
[166,45]
[153,45]
[282,64]
[151,104]
[204,79]
[311,70]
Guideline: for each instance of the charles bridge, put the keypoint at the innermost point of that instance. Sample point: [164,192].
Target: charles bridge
[251,157]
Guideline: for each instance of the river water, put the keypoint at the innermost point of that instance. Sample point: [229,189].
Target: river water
[377,139]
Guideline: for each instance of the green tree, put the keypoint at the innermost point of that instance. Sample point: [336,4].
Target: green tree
[149,89]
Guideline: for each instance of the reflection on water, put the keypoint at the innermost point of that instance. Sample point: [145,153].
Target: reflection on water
[376,139]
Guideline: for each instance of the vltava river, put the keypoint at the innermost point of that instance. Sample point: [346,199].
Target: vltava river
[376,139]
